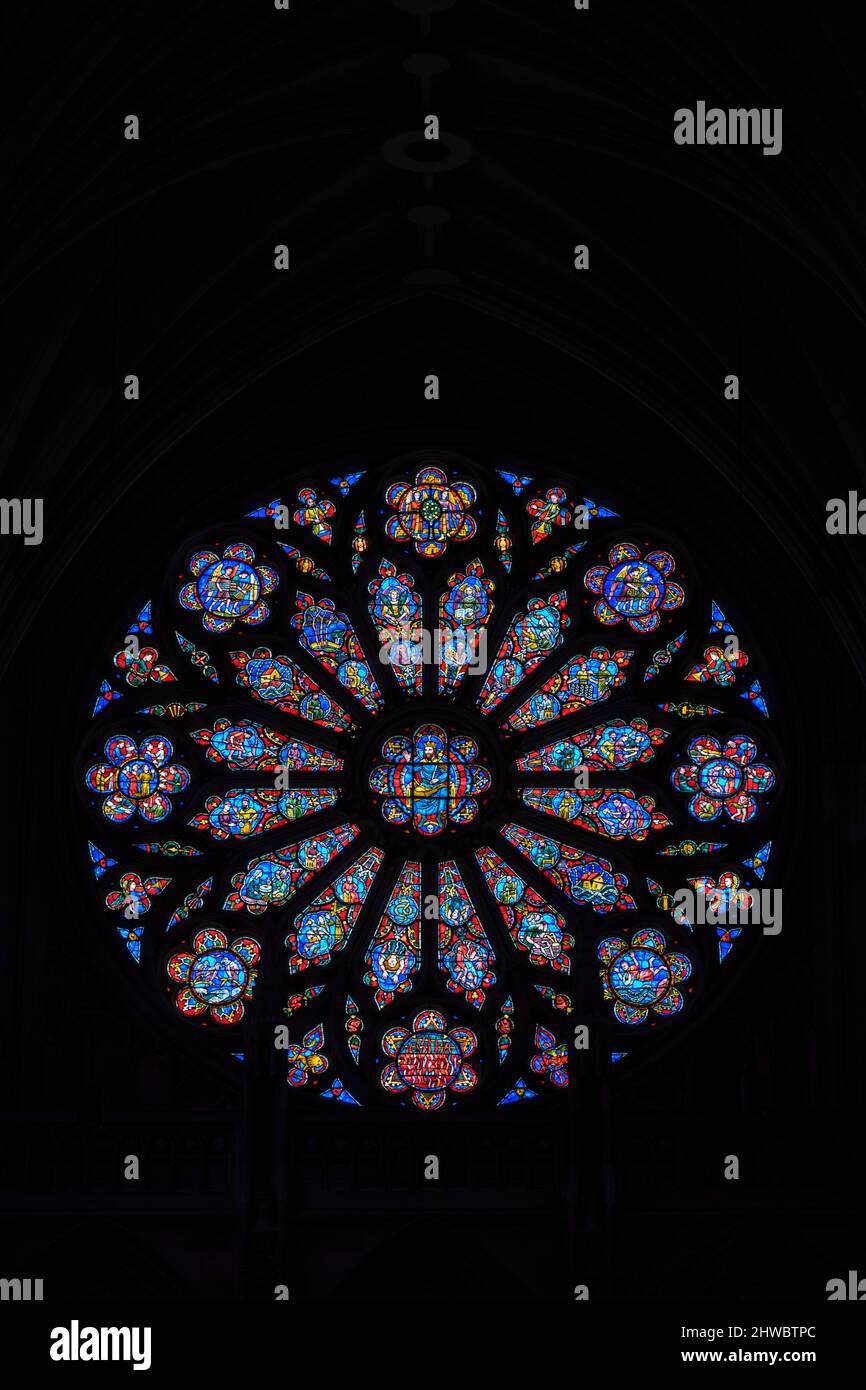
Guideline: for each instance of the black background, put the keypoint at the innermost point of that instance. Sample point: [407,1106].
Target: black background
[156,257]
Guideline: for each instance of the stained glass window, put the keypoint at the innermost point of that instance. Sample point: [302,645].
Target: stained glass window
[430,751]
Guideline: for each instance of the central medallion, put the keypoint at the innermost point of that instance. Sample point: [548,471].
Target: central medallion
[429,779]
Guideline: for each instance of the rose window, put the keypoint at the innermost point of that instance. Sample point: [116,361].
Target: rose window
[413,765]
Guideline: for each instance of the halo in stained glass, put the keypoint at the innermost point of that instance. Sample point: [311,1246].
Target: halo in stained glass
[429,840]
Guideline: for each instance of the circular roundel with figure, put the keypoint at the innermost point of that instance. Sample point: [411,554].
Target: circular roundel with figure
[431,763]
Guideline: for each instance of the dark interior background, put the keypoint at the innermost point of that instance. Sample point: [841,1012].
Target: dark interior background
[156,257]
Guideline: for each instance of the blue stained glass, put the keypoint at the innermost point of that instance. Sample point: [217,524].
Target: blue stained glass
[269,510]
[583,680]
[429,780]
[105,697]
[661,659]
[241,812]
[407,922]
[143,622]
[718,621]
[464,612]
[595,510]
[519,1091]
[279,681]
[557,564]
[755,696]
[131,938]
[394,954]
[612,811]
[465,953]
[396,613]
[532,923]
[514,480]
[330,638]
[758,862]
[337,1091]
[304,563]
[603,748]
[346,481]
[531,637]
[325,927]
[586,878]
[502,543]
[273,878]
[99,860]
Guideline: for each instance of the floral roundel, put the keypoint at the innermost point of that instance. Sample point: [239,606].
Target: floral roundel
[424,767]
